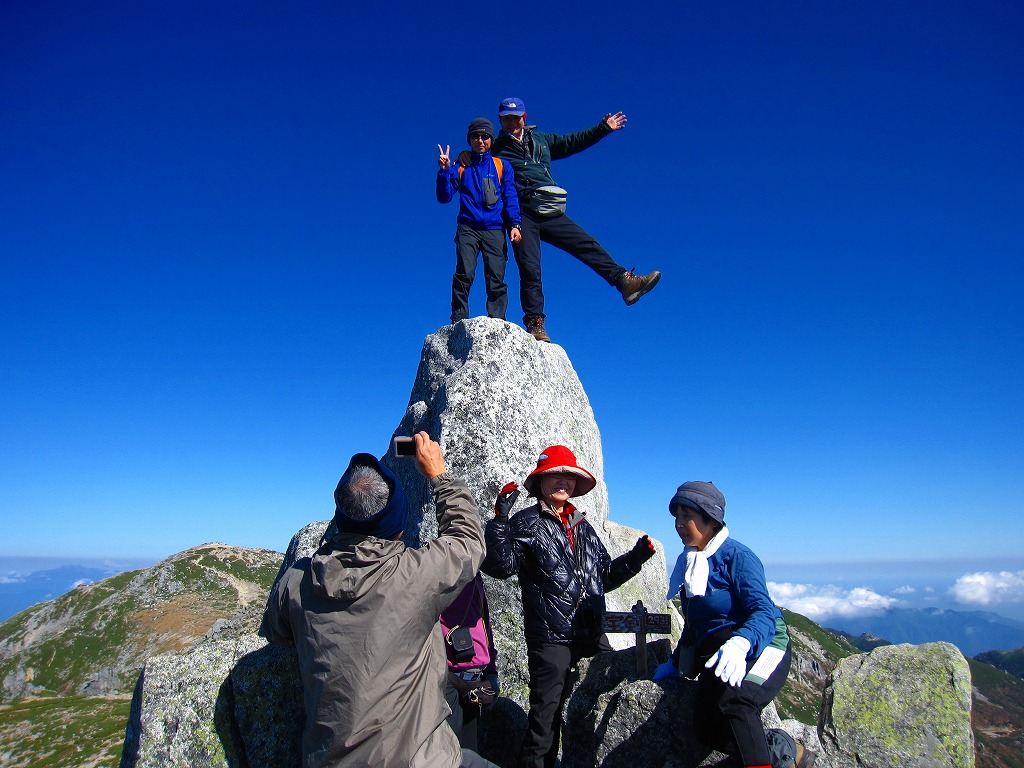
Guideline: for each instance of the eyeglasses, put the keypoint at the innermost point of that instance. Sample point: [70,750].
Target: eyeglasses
[481,136]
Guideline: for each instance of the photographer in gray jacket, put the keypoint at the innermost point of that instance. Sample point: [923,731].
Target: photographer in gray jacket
[362,614]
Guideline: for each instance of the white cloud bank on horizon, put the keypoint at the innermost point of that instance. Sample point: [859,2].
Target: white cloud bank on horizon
[989,588]
[820,603]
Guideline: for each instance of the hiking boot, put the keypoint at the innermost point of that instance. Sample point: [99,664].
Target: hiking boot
[804,757]
[535,325]
[632,287]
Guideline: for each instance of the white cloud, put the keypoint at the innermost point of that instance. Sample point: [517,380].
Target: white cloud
[10,580]
[904,590]
[821,603]
[989,588]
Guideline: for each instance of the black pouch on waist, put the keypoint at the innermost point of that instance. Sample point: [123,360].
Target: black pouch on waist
[461,642]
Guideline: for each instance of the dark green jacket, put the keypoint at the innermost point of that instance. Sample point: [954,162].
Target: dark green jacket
[531,158]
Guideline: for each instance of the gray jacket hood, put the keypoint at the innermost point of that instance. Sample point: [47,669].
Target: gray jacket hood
[349,566]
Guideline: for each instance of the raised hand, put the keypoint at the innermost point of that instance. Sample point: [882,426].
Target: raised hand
[444,160]
[506,500]
[616,121]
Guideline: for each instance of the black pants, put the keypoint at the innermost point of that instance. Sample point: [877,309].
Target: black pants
[564,233]
[729,719]
[464,717]
[490,243]
[549,665]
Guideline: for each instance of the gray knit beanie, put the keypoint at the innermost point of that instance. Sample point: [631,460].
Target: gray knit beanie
[704,497]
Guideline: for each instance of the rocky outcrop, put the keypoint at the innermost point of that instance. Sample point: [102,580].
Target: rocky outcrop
[495,398]
[900,705]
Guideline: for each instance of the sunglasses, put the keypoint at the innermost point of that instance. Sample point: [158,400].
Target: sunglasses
[482,136]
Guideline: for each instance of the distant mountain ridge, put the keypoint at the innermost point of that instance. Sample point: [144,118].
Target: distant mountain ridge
[93,640]
[1011,662]
[971,631]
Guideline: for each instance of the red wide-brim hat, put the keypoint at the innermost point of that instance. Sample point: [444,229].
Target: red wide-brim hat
[559,459]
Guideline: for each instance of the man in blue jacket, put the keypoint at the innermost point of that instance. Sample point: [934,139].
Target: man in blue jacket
[543,204]
[488,204]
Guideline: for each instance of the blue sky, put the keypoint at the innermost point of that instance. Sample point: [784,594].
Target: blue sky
[222,253]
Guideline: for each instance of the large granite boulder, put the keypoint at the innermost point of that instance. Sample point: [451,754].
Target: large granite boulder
[495,398]
[900,705]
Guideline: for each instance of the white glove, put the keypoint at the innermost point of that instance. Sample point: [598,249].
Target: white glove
[732,661]
[665,671]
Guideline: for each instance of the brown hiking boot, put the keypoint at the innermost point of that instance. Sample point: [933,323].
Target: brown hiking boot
[632,287]
[535,325]
[804,757]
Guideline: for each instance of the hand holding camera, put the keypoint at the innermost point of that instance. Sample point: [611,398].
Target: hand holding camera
[428,455]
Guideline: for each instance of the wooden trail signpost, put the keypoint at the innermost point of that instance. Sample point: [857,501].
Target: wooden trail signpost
[639,622]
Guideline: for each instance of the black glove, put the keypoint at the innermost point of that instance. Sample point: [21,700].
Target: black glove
[641,552]
[506,500]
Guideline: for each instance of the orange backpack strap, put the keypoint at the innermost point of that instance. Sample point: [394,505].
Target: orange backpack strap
[498,164]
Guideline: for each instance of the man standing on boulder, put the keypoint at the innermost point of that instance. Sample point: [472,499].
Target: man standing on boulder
[362,615]
[542,203]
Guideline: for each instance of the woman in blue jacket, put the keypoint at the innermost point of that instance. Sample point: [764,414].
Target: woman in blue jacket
[734,641]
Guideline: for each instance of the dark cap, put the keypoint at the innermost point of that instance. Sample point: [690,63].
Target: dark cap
[513,105]
[704,497]
[480,125]
[387,523]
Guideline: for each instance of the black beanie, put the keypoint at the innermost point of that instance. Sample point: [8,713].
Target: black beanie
[480,125]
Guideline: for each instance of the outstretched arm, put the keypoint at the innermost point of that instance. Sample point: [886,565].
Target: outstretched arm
[625,567]
[563,145]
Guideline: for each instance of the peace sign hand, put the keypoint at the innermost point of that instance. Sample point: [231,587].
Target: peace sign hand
[444,160]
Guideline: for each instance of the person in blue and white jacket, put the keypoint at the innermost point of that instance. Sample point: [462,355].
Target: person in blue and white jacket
[735,641]
[488,205]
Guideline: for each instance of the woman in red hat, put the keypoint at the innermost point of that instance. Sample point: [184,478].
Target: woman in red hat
[564,571]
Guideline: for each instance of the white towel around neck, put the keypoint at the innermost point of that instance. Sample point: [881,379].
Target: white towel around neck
[691,570]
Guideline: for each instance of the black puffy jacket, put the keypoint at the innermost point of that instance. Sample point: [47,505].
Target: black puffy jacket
[556,581]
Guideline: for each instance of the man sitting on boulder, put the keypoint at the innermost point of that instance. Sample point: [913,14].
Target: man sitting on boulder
[362,615]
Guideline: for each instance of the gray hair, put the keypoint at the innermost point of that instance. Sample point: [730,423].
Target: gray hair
[364,494]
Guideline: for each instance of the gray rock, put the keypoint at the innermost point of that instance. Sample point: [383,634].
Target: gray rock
[495,398]
[616,718]
[266,699]
[900,705]
[181,712]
